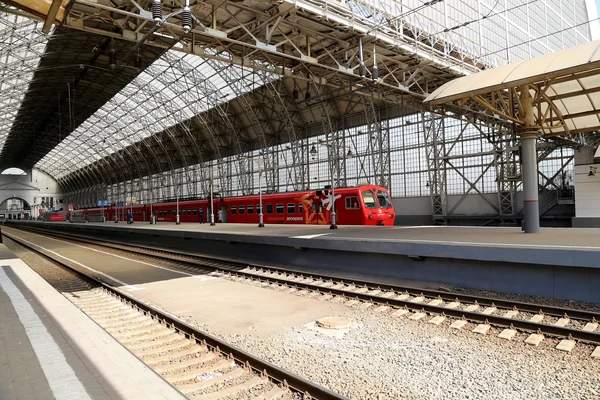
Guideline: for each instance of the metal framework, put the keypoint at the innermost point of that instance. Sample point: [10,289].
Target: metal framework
[274,77]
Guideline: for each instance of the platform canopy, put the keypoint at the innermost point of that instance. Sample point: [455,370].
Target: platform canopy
[564,87]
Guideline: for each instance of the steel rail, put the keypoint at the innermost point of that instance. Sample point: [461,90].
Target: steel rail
[444,295]
[296,383]
[529,326]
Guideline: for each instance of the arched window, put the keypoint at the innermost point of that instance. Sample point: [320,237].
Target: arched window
[13,171]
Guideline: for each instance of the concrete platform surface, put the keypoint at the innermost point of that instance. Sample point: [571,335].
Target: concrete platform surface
[49,349]
[571,238]
[220,303]
[558,262]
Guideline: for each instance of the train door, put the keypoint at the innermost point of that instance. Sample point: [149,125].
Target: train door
[223,213]
[207,214]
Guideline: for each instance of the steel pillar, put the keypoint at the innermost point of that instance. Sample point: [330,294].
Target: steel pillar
[531,208]
[433,130]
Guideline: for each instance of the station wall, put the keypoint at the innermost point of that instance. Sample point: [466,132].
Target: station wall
[587,188]
[417,210]
[587,196]
[33,188]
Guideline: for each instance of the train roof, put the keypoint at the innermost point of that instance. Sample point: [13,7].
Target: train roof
[280,195]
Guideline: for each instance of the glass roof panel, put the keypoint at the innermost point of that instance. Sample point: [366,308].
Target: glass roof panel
[22,44]
[174,88]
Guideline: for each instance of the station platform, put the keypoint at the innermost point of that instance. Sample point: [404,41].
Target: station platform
[557,262]
[49,349]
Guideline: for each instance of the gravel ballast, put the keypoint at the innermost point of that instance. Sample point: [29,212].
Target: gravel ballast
[385,357]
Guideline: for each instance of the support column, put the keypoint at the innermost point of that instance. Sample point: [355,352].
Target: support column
[531,207]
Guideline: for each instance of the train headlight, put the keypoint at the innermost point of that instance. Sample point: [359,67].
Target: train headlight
[391,215]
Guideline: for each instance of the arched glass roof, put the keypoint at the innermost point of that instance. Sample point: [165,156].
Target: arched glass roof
[176,87]
[22,44]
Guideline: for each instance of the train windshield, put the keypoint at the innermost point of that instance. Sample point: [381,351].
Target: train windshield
[369,199]
[384,199]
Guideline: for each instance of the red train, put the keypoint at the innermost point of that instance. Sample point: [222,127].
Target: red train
[363,205]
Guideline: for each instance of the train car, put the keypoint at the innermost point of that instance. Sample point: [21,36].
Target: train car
[57,216]
[362,205]
[189,211]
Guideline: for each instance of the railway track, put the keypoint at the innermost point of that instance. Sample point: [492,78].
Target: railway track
[538,320]
[199,365]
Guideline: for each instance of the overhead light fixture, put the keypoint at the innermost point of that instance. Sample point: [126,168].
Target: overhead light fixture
[313,150]
[349,154]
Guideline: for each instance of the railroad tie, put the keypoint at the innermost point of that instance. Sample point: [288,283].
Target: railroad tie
[471,307]
[417,316]
[489,310]
[537,318]
[507,334]
[458,324]
[452,305]
[482,329]
[400,312]
[534,339]
[435,302]
[437,320]
[590,327]
[566,345]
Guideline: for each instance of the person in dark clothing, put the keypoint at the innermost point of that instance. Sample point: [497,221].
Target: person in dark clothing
[129,217]
[201,214]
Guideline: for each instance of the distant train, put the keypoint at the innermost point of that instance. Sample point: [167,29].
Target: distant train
[362,205]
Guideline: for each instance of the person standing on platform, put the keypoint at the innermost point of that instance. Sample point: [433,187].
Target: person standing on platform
[201,214]
[129,217]
[219,213]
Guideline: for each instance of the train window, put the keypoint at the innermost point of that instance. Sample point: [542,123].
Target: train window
[279,208]
[194,211]
[291,208]
[352,203]
[269,208]
[384,199]
[250,209]
[183,212]
[233,210]
[242,209]
[189,211]
[258,209]
[369,199]
[300,209]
